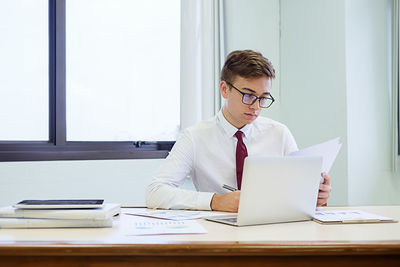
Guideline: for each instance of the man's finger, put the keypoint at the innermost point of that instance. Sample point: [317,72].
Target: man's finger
[327,179]
[323,196]
[325,188]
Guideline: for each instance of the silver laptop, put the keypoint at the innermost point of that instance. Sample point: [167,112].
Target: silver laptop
[276,189]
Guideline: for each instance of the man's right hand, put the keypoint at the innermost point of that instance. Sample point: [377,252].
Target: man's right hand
[226,202]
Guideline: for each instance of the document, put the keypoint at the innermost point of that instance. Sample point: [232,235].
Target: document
[327,150]
[177,215]
[349,216]
[163,227]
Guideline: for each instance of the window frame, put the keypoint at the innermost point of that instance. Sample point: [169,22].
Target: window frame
[57,147]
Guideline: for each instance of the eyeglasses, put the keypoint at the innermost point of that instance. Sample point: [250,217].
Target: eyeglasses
[249,99]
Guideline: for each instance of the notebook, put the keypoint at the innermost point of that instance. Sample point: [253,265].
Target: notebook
[276,190]
[60,204]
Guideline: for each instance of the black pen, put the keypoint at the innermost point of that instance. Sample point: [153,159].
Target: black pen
[230,188]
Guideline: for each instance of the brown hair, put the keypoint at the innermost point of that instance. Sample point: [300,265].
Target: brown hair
[246,64]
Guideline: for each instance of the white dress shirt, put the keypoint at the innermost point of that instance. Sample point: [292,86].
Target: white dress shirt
[207,152]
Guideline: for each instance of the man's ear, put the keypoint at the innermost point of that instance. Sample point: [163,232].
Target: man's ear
[223,86]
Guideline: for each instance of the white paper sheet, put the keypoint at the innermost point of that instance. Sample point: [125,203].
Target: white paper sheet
[163,227]
[327,150]
[177,215]
[346,216]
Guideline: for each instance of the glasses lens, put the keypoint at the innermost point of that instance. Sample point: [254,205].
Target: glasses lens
[249,99]
[265,102]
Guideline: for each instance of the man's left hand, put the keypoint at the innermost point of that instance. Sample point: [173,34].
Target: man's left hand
[324,190]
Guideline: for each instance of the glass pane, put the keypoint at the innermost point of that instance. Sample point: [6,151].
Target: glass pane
[123,69]
[24,91]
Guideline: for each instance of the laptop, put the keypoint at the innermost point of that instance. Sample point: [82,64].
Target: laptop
[276,190]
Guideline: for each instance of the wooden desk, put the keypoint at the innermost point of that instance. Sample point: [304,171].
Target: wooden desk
[288,244]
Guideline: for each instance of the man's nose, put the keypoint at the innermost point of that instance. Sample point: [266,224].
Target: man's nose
[255,105]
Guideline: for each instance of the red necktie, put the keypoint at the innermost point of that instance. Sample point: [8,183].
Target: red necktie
[241,153]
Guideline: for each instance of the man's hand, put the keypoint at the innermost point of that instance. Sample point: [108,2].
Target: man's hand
[226,202]
[324,190]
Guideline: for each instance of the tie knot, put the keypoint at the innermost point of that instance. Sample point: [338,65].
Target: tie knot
[239,135]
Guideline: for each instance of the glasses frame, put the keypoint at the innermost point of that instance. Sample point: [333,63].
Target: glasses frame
[252,95]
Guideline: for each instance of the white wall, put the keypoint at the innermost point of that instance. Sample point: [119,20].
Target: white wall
[313,78]
[371,180]
[121,181]
[335,55]
[254,24]
[331,59]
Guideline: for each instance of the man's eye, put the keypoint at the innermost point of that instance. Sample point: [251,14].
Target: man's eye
[250,96]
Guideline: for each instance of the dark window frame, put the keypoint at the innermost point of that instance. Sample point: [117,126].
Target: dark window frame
[58,148]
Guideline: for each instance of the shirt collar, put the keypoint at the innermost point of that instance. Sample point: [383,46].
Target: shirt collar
[229,129]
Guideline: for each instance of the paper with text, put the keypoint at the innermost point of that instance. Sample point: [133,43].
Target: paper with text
[343,216]
[177,215]
[164,227]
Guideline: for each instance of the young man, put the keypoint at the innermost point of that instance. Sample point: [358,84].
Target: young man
[212,152]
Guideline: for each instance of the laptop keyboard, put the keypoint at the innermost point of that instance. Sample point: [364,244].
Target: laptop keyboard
[231,220]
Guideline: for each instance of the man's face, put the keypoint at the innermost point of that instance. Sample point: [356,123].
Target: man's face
[237,113]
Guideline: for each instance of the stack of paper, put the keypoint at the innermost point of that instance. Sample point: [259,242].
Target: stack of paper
[11,217]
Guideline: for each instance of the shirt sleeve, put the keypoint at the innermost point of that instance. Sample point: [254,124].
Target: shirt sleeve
[289,142]
[164,191]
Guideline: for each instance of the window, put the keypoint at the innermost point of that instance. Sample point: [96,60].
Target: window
[77,82]
[122,78]
[24,90]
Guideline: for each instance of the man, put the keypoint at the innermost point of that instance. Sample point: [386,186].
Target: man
[212,152]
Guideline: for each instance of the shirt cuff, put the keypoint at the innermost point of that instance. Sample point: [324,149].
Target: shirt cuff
[204,200]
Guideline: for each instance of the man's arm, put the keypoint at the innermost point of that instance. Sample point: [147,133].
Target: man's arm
[164,193]
[226,202]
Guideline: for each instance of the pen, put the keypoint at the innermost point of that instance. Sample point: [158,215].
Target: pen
[230,188]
